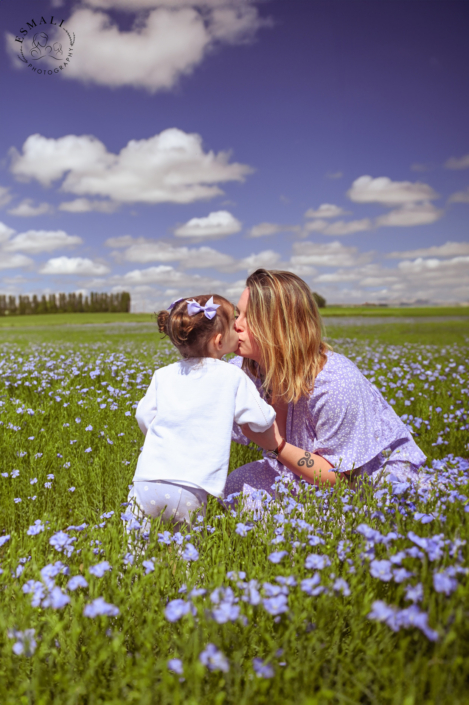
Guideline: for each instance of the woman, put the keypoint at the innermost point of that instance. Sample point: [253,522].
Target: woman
[332,424]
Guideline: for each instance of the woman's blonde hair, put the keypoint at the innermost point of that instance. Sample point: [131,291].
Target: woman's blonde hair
[283,318]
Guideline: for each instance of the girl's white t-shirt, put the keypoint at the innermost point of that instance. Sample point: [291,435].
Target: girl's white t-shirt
[187,415]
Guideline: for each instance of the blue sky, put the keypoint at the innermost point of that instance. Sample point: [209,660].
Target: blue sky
[184,145]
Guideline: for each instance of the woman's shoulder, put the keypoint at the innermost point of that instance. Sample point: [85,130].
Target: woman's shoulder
[336,365]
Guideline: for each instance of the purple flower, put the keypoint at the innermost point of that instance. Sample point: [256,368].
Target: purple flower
[262,669]
[381,612]
[56,599]
[25,644]
[214,659]
[310,585]
[243,529]
[342,586]
[175,664]
[413,617]
[165,537]
[381,570]
[315,540]
[176,609]
[4,539]
[100,569]
[190,553]
[36,528]
[423,518]
[401,574]
[276,605]
[62,542]
[78,581]
[442,582]
[317,561]
[88,450]
[100,607]
[225,612]
[414,593]
[149,566]
[277,556]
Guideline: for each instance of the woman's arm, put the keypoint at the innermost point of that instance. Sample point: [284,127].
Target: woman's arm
[308,466]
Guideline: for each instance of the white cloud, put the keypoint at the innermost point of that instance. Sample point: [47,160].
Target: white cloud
[458,162]
[145,251]
[5,232]
[35,241]
[74,265]
[265,229]
[27,209]
[168,168]
[435,265]
[409,215]
[5,196]
[389,193]
[331,254]
[165,43]
[215,225]
[168,276]
[315,226]
[342,227]
[124,241]
[84,205]
[460,197]
[12,261]
[266,259]
[326,210]
[449,249]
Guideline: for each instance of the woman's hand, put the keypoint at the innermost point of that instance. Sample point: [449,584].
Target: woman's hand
[268,440]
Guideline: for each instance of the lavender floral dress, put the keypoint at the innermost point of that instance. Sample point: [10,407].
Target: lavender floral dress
[348,422]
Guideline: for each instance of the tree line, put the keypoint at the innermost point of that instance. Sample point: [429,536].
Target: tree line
[65,303]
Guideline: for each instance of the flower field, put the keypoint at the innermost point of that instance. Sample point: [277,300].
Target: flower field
[330,596]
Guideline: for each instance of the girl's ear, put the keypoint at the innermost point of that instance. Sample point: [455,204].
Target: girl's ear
[218,340]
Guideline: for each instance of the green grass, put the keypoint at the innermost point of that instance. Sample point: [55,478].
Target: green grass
[393,312]
[324,648]
[75,319]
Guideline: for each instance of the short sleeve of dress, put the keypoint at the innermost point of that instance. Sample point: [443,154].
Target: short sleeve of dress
[146,408]
[350,419]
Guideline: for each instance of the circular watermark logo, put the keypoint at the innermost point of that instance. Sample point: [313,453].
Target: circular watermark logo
[46,46]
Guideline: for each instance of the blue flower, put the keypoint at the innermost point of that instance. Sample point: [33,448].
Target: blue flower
[25,644]
[36,528]
[277,556]
[176,609]
[262,669]
[342,586]
[442,582]
[190,553]
[100,607]
[311,585]
[414,593]
[381,570]
[62,542]
[225,612]
[4,539]
[214,659]
[381,612]
[149,566]
[100,569]
[276,605]
[165,537]
[243,529]
[175,664]
[78,581]
[56,599]
[317,561]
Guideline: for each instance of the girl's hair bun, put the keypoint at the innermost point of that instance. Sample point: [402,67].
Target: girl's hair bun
[162,320]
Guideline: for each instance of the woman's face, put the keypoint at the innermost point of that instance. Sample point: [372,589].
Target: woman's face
[247,346]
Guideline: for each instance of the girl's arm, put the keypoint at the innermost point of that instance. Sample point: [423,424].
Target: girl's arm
[308,466]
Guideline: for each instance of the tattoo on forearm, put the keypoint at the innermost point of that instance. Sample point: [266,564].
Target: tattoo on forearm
[307,460]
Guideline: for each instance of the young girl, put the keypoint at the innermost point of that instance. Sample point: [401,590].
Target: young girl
[188,412]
